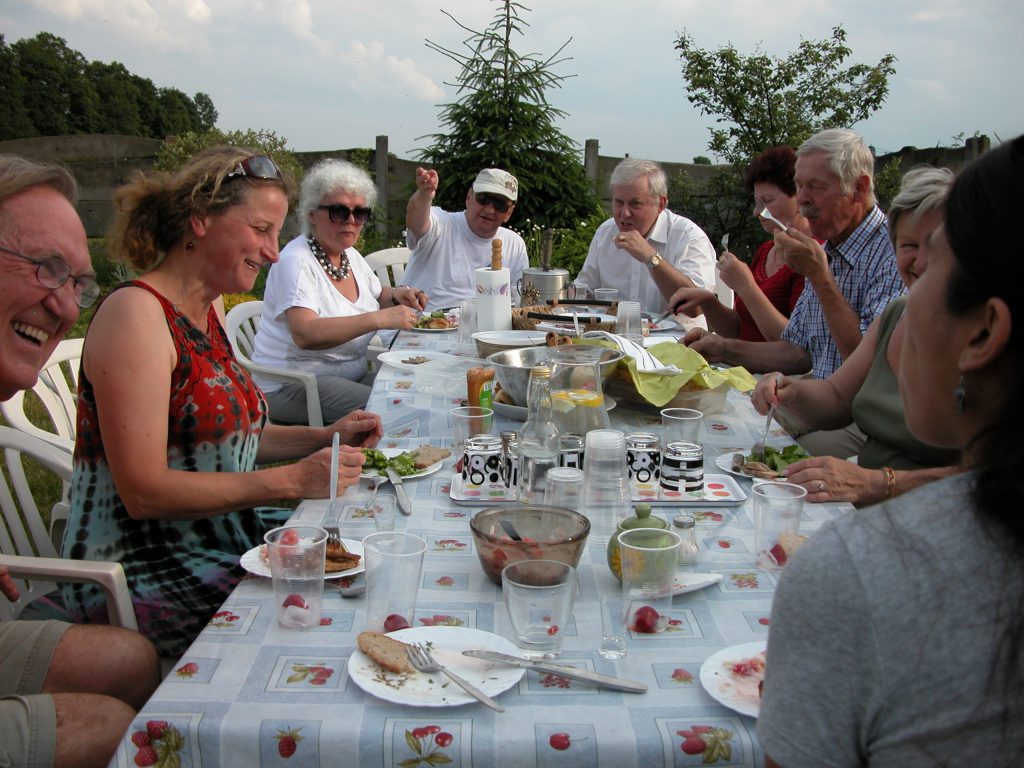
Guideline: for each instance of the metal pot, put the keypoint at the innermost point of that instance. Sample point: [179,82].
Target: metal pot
[551,283]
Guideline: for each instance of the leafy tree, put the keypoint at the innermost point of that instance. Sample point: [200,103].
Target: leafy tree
[207,112]
[15,121]
[175,151]
[118,99]
[58,95]
[503,119]
[149,107]
[177,112]
[766,101]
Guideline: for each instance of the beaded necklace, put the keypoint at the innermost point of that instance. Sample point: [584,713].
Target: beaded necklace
[333,272]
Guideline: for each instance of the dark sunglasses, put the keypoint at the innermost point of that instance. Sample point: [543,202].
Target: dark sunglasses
[501,205]
[339,213]
[52,272]
[256,167]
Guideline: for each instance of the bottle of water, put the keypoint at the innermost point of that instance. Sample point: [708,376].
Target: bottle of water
[538,439]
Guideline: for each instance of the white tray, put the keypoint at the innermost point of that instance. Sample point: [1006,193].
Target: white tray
[719,491]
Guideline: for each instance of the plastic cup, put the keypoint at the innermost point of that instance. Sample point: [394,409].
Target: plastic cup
[680,424]
[539,595]
[627,321]
[394,562]
[467,421]
[606,494]
[564,488]
[579,291]
[777,511]
[296,555]
[606,294]
[467,327]
[650,557]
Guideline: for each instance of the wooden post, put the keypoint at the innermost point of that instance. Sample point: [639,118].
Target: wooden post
[380,171]
[590,158]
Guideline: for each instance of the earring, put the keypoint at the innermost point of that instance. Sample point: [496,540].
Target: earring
[960,396]
[190,245]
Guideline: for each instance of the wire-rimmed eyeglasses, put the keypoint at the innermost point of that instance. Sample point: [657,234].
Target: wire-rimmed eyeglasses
[52,272]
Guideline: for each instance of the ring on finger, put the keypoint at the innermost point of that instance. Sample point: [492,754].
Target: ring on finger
[821,485]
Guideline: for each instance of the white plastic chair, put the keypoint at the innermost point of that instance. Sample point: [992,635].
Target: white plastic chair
[243,322]
[25,544]
[57,391]
[395,258]
[380,262]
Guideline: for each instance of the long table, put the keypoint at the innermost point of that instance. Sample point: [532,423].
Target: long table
[242,695]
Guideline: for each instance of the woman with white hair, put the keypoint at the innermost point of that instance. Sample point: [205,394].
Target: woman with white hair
[323,303]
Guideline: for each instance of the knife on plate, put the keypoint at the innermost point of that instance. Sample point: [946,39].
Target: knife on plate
[594,678]
[400,494]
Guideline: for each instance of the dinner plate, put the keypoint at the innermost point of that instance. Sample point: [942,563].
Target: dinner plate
[510,339]
[668,324]
[436,690]
[724,463]
[520,412]
[452,316]
[391,453]
[254,563]
[691,582]
[396,357]
[739,694]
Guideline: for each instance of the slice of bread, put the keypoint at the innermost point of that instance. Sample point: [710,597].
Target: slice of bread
[386,651]
[427,455]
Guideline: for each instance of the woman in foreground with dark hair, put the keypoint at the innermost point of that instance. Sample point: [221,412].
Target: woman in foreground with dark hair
[897,631]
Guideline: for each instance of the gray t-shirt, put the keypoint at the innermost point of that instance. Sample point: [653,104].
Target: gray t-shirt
[884,636]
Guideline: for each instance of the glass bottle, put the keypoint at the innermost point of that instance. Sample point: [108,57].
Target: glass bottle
[538,438]
[685,525]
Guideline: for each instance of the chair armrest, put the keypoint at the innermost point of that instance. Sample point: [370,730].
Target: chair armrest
[308,381]
[108,576]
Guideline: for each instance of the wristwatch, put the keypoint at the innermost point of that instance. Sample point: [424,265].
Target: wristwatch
[654,261]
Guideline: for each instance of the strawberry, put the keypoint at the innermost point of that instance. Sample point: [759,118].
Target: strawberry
[156,729]
[146,756]
[187,670]
[645,620]
[294,600]
[289,538]
[288,741]
[141,739]
[395,622]
[778,554]
[560,741]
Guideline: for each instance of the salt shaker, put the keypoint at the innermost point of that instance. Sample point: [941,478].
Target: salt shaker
[685,526]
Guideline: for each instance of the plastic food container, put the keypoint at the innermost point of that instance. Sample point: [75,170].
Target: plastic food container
[446,376]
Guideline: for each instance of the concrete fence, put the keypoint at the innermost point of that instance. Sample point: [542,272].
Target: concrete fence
[101,163]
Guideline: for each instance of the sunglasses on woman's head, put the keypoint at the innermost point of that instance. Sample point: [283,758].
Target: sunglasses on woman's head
[501,205]
[256,167]
[339,213]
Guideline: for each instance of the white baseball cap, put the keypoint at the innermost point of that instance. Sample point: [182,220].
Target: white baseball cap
[497,182]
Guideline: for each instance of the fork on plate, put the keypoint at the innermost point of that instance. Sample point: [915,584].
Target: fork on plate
[420,658]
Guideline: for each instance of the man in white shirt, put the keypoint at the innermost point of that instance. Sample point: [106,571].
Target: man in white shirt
[645,250]
[448,247]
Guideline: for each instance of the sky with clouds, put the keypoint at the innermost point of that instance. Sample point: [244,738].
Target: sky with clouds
[334,74]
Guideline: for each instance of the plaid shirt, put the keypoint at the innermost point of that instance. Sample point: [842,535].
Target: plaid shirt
[864,268]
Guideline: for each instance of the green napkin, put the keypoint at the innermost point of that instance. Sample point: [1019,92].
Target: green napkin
[658,388]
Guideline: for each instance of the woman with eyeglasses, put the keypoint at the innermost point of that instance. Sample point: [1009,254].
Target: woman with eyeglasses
[170,426]
[322,303]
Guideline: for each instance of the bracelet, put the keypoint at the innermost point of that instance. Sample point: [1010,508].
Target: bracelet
[890,482]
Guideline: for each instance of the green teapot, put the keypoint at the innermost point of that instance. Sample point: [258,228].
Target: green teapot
[642,519]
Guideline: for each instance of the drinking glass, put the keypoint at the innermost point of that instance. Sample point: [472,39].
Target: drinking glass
[650,557]
[296,554]
[466,345]
[613,641]
[580,290]
[467,421]
[606,485]
[606,294]
[564,488]
[539,595]
[627,321]
[778,507]
[680,424]
[394,562]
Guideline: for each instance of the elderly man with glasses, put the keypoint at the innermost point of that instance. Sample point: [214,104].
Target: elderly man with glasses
[447,247]
[66,691]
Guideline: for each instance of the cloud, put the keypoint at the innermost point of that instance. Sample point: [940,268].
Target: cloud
[934,90]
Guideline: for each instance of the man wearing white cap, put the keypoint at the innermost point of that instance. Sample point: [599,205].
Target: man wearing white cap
[447,247]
